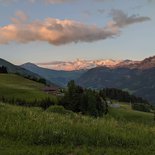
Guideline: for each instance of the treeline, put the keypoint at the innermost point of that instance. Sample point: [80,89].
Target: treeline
[122,96]
[36,79]
[3,69]
[137,103]
[85,101]
[40,80]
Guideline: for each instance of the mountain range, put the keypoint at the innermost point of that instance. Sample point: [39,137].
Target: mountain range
[58,77]
[89,64]
[137,77]
[79,64]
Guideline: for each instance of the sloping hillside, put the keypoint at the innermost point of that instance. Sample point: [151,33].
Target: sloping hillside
[32,131]
[60,78]
[11,68]
[17,87]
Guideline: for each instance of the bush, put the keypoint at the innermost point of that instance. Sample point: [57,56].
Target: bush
[59,109]
[141,107]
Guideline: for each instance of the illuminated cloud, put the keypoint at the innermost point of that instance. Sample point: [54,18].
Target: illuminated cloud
[20,17]
[58,32]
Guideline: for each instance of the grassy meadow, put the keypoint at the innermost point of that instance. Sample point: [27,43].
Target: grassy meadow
[56,131]
[126,113]
[17,87]
[32,131]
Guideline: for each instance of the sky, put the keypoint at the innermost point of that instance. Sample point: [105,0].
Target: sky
[40,31]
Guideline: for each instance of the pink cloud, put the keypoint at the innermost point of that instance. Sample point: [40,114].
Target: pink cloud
[58,32]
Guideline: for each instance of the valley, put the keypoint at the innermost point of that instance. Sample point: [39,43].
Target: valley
[137,77]
[77,77]
[78,120]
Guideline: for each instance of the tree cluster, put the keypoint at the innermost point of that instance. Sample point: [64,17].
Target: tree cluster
[36,79]
[122,96]
[3,69]
[85,101]
[141,107]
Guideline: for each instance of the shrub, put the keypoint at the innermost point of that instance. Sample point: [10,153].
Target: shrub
[141,107]
[59,109]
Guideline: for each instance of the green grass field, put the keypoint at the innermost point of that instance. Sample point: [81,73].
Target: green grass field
[32,131]
[127,114]
[17,87]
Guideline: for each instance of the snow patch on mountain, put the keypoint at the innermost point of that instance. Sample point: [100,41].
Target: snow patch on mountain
[79,64]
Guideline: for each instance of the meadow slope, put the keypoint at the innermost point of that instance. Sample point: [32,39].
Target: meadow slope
[17,87]
[32,131]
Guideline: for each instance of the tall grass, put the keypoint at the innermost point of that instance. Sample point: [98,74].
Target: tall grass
[34,131]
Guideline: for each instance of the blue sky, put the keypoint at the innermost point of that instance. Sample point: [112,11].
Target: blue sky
[130,26]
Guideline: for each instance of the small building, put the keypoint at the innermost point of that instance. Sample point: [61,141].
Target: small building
[51,90]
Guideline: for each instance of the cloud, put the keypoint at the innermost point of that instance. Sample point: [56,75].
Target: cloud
[120,19]
[51,30]
[58,32]
[150,0]
[20,17]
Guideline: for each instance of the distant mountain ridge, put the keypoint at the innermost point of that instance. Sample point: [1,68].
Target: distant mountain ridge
[147,63]
[137,78]
[11,68]
[79,67]
[59,77]
[89,64]
[144,64]
[79,64]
